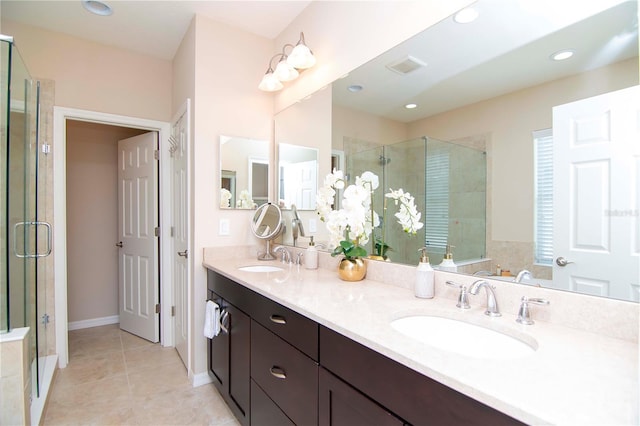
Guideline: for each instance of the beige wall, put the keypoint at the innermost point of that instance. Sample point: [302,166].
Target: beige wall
[92,231]
[222,92]
[228,65]
[349,123]
[292,128]
[94,76]
[510,120]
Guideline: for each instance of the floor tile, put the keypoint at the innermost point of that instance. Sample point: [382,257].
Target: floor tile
[116,378]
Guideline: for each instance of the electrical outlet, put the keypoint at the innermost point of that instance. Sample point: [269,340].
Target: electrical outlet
[224,227]
[312,225]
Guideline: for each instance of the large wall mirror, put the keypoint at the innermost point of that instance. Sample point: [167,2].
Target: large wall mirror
[244,172]
[490,95]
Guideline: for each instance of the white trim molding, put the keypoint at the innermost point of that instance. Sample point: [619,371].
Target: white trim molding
[60,116]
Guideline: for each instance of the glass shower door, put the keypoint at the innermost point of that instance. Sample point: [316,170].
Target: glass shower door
[23,232]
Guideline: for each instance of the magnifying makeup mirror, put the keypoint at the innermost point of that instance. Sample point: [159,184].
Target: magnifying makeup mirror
[267,225]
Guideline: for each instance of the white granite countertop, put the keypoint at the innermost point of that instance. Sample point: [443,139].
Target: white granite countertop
[573,378]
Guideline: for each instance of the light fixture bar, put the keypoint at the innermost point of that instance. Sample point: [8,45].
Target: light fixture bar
[288,66]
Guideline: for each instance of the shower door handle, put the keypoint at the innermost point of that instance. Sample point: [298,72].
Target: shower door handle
[25,225]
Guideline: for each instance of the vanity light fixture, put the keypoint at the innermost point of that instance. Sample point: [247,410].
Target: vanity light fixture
[466,15]
[288,67]
[561,55]
[97,7]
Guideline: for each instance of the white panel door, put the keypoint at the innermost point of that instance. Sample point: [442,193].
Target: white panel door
[301,186]
[597,193]
[180,232]
[138,274]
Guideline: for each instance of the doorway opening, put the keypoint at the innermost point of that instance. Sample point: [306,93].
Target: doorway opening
[62,223]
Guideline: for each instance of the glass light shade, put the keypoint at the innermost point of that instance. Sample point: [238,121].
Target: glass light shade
[285,72]
[301,57]
[270,83]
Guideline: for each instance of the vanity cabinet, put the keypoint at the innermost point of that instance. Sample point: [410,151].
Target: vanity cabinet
[278,367]
[341,405]
[288,376]
[229,361]
[407,394]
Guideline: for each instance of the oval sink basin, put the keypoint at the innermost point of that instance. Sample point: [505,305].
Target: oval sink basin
[461,337]
[260,268]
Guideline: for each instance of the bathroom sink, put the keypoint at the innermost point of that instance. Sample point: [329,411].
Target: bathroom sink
[260,268]
[462,337]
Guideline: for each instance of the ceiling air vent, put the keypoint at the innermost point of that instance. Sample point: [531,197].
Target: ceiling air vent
[406,65]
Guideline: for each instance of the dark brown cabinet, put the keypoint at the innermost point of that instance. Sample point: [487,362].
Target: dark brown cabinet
[229,359]
[288,376]
[278,367]
[341,405]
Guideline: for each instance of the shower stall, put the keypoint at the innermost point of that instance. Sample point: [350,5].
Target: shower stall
[25,237]
[448,181]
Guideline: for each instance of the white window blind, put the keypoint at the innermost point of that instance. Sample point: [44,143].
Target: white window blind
[436,220]
[543,233]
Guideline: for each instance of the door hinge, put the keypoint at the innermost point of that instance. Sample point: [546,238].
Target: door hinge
[156,231]
[172,231]
[156,155]
[157,308]
[173,311]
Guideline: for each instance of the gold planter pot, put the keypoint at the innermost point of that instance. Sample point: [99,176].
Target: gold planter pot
[352,269]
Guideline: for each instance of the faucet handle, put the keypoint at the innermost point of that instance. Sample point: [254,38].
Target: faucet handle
[463,297]
[524,315]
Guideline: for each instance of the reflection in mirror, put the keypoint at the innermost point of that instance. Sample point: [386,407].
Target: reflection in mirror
[500,87]
[448,181]
[297,176]
[244,177]
[267,225]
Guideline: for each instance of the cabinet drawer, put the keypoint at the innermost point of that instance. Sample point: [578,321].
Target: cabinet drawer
[410,395]
[288,377]
[296,329]
[265,412]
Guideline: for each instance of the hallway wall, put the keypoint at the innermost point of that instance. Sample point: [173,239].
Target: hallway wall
[92,219]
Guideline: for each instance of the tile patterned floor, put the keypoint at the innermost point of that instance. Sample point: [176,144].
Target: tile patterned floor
[116,378]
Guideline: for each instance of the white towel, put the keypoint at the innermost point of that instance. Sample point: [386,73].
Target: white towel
[211,320]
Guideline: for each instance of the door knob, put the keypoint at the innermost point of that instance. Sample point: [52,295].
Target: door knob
[184,254]
[119,244]
[561,261]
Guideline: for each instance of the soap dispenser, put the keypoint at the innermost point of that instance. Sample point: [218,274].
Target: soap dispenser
[447,263]
[311,256]
[425,277]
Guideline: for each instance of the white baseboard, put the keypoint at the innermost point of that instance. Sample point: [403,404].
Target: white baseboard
[200,379]
[94,322]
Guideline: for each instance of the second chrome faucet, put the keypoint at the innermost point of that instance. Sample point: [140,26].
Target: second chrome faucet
[492,303]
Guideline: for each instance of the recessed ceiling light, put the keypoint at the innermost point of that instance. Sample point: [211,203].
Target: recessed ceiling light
[354,88]
[411,106]
[97,7]
[562,55]
[466,15]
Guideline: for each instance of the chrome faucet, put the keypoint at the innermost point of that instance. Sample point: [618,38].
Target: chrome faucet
[492,302]
[522,274]
[286,256]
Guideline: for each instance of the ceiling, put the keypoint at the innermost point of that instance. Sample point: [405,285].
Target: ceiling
[151,27]
[506,49]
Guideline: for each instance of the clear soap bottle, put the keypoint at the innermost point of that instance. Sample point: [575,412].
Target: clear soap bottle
[311,256]
[425,277]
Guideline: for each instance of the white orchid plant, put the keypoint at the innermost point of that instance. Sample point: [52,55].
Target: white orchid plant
[225,198]
[351,226]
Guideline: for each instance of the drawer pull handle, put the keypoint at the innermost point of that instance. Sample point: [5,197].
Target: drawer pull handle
[278,372]
[278,319]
